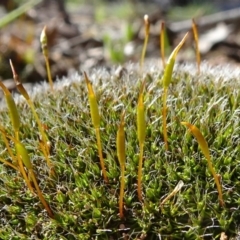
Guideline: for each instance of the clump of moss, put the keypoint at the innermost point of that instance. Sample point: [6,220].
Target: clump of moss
[86,207]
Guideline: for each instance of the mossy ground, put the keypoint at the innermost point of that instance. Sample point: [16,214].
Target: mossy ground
[87,208]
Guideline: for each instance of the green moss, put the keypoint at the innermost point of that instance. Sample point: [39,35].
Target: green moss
[87,208]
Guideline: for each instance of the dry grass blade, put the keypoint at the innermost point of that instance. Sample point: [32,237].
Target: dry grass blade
[141,133]
[14,14]
[96,123]
[121,153]
[204,147]
[147,28]
[195,35]
[174,192]
[43,40]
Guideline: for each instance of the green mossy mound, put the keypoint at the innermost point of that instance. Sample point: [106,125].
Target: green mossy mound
[87,208]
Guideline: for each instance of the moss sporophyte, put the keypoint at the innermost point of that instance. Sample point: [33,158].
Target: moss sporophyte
[140,177]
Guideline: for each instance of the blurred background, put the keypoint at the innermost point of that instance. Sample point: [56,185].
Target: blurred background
[95,33]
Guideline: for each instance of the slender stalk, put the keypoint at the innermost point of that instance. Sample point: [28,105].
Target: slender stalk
[44,139]
[4,134]
[40,195]
[15,119]
[22,90]
[204,147]
[23,172]
[49,72]
[167,76]
[43,40]
[45,151]
[164,114]
[96,123]
[23,154]
[162,43]
[9,164]
[141,133]
[121,196]
[195,35]
[147,28]
[20,164]
[166,80]
[139,185]
[99,144]
[13,112]
[121,153]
